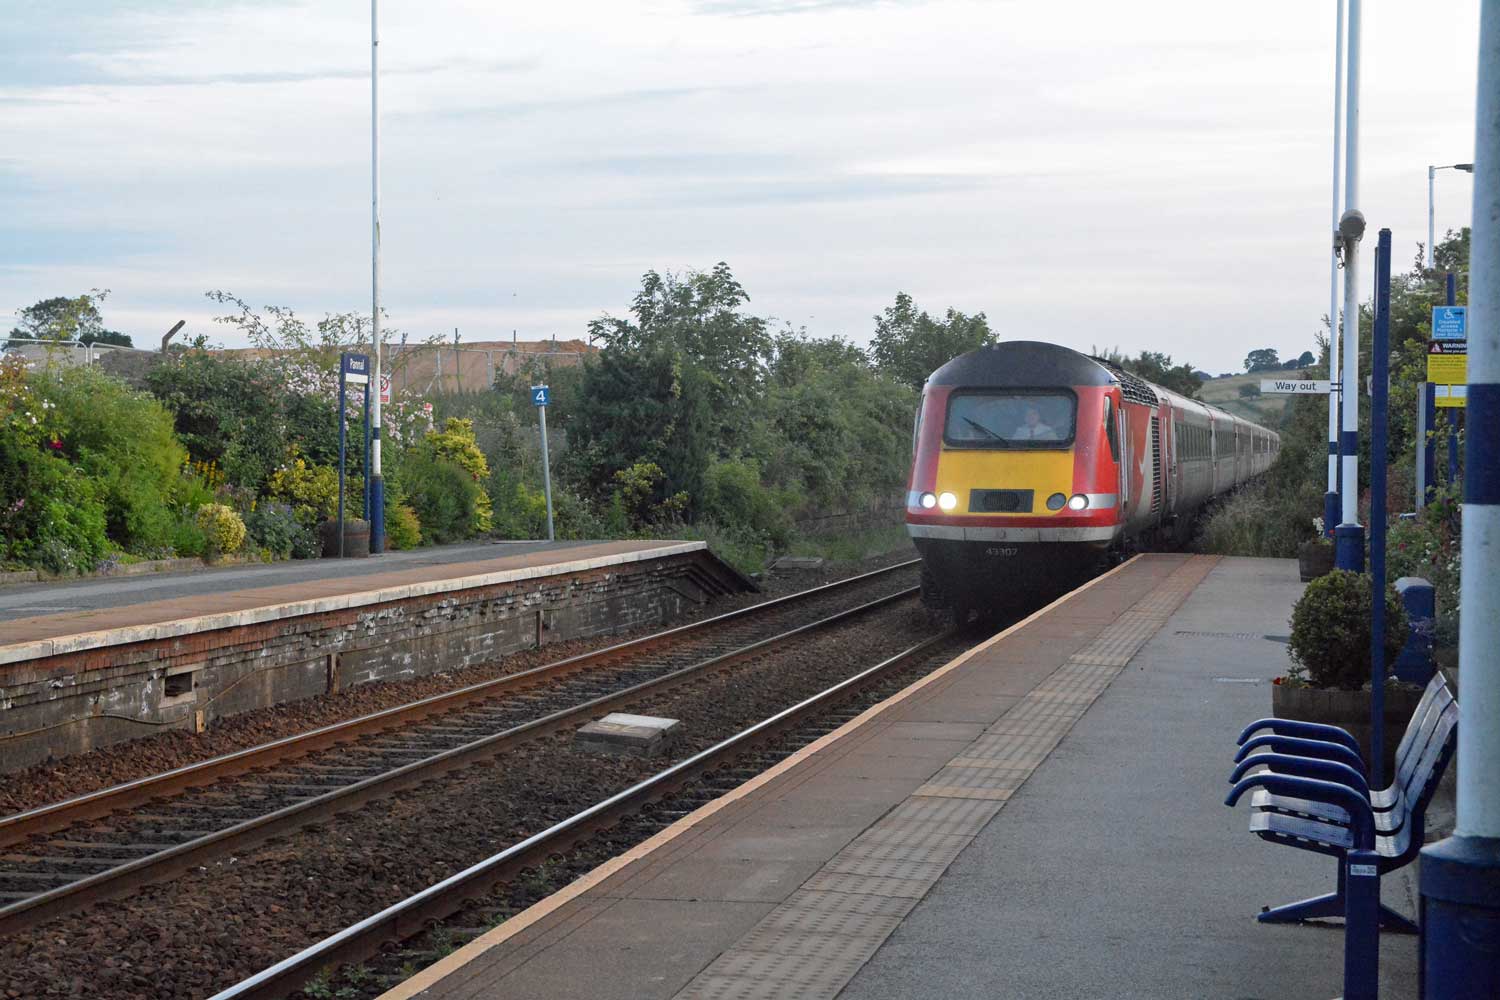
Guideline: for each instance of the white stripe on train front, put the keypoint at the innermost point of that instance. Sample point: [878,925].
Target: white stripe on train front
[977,534]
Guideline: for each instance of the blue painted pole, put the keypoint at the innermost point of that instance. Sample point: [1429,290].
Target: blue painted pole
[366,470]
[1460,876]
[1380,347]
[1429,456]
[1453,416]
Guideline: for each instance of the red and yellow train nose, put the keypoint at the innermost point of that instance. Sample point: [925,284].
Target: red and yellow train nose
[1010,484]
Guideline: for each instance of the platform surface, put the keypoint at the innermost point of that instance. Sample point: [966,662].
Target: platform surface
[235,595]
[1041,818]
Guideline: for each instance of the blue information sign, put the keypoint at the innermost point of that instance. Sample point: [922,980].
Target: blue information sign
[356,368]
[540,395]
[1450,323]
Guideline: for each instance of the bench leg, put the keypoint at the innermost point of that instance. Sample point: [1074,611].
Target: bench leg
[1331,905]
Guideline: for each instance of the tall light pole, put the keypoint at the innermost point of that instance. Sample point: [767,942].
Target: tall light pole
[1331,509]
[1467,168]
[377,482]
[1460,876]
[1349,537]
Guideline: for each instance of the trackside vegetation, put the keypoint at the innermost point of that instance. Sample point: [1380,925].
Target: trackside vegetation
[694,417]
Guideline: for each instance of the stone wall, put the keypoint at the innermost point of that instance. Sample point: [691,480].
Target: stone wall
[56,705]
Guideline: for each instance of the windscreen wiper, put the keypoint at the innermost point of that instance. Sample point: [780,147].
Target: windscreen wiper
[983,429]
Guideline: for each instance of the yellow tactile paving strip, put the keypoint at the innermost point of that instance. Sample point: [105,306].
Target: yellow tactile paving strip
[817,938]
[812,944]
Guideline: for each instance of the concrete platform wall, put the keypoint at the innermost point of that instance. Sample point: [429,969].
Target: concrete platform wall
[72,701]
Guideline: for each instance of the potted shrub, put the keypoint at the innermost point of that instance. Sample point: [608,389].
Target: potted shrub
[1315,556]
[1330,649]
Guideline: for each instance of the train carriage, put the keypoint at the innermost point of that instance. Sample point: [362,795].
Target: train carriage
[1031,462]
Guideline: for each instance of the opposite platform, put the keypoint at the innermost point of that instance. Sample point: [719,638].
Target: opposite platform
[1040,818]
[90,677]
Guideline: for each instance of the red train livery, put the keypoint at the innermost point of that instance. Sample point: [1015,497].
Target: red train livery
[1032,461]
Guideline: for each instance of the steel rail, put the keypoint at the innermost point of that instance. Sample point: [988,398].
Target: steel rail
[93,805]
[411,915]
[156,867]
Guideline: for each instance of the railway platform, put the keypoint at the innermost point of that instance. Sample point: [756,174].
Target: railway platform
[1042,817]
[113,659]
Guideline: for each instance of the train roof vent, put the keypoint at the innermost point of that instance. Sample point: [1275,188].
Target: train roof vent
[1132,387]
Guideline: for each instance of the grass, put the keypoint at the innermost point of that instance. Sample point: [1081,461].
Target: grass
[852,547]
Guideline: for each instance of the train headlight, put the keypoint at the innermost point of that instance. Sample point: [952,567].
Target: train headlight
[1056,501]
[1077,501]
[947,501]
[928,500]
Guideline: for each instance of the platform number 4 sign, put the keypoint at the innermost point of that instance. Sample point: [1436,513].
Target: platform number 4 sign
[540,395]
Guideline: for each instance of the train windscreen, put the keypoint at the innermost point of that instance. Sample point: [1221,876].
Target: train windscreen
[1010,419]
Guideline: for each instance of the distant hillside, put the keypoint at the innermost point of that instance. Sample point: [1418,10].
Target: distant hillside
[1225,394]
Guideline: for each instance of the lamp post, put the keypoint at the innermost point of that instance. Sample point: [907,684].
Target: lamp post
[1467,168]
[1331,504]
[1349,537]
[376,512]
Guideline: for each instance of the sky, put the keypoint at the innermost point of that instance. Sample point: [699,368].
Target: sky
[1147,176]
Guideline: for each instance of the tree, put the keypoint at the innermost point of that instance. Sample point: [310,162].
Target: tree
[61,318]
[910,345]
[1249,391]
[1157,368]
[1306,359]
[1261,360]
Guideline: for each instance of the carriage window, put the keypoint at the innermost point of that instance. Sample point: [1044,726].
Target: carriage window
[1010,419]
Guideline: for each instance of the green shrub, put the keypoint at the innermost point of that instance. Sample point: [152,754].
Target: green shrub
[1331,630]
[442,494]
[51,513]
[519,510]
[275,528]
[124,440]
[733,494]
[312,491]
[403,529]
[455,443]
[223,531]
[1249,522]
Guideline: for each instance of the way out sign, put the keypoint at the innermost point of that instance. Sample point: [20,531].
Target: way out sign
[1296,386]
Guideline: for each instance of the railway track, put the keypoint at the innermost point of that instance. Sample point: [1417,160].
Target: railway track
[678,789]
[65,856]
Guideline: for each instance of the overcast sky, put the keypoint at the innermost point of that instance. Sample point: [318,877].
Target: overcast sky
[1143,175]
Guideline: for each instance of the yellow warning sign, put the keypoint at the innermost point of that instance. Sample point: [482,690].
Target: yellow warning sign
[1448,369]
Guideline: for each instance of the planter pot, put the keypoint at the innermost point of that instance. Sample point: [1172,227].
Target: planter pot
[1349,710]
[356,538]
[1314,559]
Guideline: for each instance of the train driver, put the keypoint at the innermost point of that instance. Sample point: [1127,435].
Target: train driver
[1034,429]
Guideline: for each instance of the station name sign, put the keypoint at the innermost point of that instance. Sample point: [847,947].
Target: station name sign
[1296,386]
[355,368]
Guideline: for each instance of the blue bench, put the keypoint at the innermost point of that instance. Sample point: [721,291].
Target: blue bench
[1328,753]
[1314,796]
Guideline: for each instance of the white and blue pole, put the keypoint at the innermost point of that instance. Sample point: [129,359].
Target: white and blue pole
[1331,507]
[1460,876]
[1349,537]
[377,482]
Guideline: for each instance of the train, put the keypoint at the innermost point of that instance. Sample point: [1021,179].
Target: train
[1034,464]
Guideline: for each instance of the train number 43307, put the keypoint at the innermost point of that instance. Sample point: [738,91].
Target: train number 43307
[1001,550]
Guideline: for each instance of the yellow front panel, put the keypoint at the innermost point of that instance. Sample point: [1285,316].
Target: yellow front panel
[1044,472]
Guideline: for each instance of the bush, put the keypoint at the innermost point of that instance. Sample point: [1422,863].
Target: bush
[223,531]
[403,529]
[51,513]
[312,491]
[733,494]
[275,528]
[442,495]
[455,443]
[1249,522]
[124,440]
[1331,630]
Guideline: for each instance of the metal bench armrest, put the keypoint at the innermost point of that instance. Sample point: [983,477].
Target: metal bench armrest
[1361,819]
[1304,767]
[1296,727]
[1299,747]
